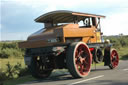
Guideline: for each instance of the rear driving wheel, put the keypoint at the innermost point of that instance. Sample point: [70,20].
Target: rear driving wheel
[39,69]
[78,59]
[114,58]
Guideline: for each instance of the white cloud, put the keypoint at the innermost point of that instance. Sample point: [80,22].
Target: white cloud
[14,36]
[72,3]
[115,10]
[0,30]
[0,26]
[78,5]
[116,22]
[50,5]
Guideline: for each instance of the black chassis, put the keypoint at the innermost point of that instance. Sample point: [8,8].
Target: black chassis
[57,54]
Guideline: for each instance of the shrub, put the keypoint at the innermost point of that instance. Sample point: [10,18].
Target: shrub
[10,49]
[10,52]
[118,41]
[16,70]
[11,71]
[3,54]
[13,45]
[3,75]
[23,72]
[124,41]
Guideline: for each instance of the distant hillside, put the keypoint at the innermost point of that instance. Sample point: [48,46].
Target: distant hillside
[118,40]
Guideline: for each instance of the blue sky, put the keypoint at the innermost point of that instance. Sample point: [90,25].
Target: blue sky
[17,16]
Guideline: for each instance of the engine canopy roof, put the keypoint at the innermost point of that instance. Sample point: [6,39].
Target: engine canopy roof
[64,16]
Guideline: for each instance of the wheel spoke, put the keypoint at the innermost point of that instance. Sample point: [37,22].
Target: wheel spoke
[82,60]
[114,53]
[86,62]
[81,68]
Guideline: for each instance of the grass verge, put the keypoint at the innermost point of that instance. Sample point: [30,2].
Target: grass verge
[19,80]
[123,53]
[12,61]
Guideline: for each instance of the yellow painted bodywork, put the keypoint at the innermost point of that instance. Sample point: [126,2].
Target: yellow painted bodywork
[87,34]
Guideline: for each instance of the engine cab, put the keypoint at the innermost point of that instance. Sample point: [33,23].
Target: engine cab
[65,27]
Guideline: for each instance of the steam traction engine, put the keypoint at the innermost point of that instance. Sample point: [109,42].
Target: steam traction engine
[70,40]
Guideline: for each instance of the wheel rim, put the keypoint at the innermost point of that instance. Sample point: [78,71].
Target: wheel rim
[114,58]
[82,60]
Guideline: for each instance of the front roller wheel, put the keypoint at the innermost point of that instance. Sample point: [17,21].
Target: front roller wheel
[114,58]
[78,59]
[38,69]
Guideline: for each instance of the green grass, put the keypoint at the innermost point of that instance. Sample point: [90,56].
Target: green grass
[19,80]
[12,61]
[97,64]
[123,53]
